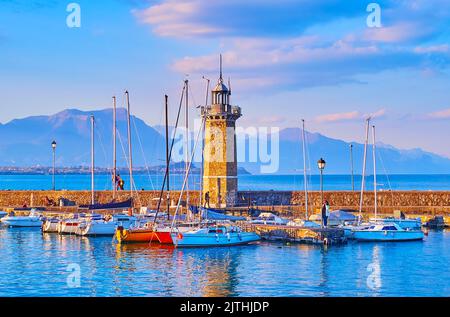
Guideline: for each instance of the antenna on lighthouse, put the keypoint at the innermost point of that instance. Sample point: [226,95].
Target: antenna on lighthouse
[220,78]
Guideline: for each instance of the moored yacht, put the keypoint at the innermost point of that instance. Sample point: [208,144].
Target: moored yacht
[214,236]
[32,220]
[386,232]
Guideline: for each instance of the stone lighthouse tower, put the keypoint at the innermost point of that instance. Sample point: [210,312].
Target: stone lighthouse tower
[220,181]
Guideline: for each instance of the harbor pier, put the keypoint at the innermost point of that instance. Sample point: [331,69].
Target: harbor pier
[288,203]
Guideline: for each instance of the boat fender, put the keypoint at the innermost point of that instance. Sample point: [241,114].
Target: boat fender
[385,233]
[239,236]
[217,237]
[228,237]
[325,241]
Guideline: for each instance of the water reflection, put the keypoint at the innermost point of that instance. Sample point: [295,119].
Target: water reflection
[374,268]
[324,271]
[183,272]
[35,264]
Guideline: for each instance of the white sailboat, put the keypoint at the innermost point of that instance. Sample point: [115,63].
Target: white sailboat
[32,220]
[385,231]
[214,236]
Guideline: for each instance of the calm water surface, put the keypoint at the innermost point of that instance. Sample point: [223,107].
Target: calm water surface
[246,182]
[35,264]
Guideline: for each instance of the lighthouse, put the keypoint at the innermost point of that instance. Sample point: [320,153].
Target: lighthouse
[220,180]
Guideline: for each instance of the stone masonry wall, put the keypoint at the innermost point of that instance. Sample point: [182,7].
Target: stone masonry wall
[421,202]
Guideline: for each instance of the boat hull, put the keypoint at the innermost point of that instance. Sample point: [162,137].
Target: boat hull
[138,235]
[164,237]
[188,239]
[97,229]
[22,222]
[50,226]
[387,236]
[67,227]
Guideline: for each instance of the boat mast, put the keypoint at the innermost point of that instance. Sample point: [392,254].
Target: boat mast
[114,148]
[203,150]
[167,155]
[364,168]
[305,179]
[374,172]
[186,82]
[129,143]
[187,173]
[92,160]
[170,154]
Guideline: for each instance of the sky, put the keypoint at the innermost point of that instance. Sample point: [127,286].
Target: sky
[287,60]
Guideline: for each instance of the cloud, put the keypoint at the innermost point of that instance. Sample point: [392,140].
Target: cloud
[442,114]
[336,117]
[305,61]
[349,116]
[192,18]
[269,43]
[377,114]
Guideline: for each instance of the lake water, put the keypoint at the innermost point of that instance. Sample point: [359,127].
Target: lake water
[36,264]
[246,182]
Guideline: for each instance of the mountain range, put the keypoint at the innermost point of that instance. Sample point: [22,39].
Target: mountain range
[27,142]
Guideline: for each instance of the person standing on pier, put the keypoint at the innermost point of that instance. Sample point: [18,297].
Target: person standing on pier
[207,200]
[325,213]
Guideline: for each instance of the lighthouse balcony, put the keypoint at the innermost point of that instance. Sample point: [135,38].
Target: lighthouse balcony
[221,110]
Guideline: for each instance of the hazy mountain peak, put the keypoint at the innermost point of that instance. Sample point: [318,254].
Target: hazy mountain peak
[26,142]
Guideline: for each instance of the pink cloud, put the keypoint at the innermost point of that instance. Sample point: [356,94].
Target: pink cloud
[442,114]
[336,117]
[400,32]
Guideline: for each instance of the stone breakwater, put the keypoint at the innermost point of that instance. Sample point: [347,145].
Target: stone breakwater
[414,202]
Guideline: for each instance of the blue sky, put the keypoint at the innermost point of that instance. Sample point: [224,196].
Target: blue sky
[287,60]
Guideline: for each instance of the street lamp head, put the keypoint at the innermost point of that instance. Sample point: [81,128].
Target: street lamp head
[321,164]
[54,144]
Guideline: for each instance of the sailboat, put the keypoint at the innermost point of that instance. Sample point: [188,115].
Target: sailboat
[306,223]
[146,232]
[214,236]
[384,231]
[70,225]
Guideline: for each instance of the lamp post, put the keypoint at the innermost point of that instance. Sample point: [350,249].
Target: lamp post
[321,165]
[54,152]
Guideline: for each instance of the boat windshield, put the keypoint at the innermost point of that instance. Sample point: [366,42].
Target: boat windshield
[216,230]
[389,228]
